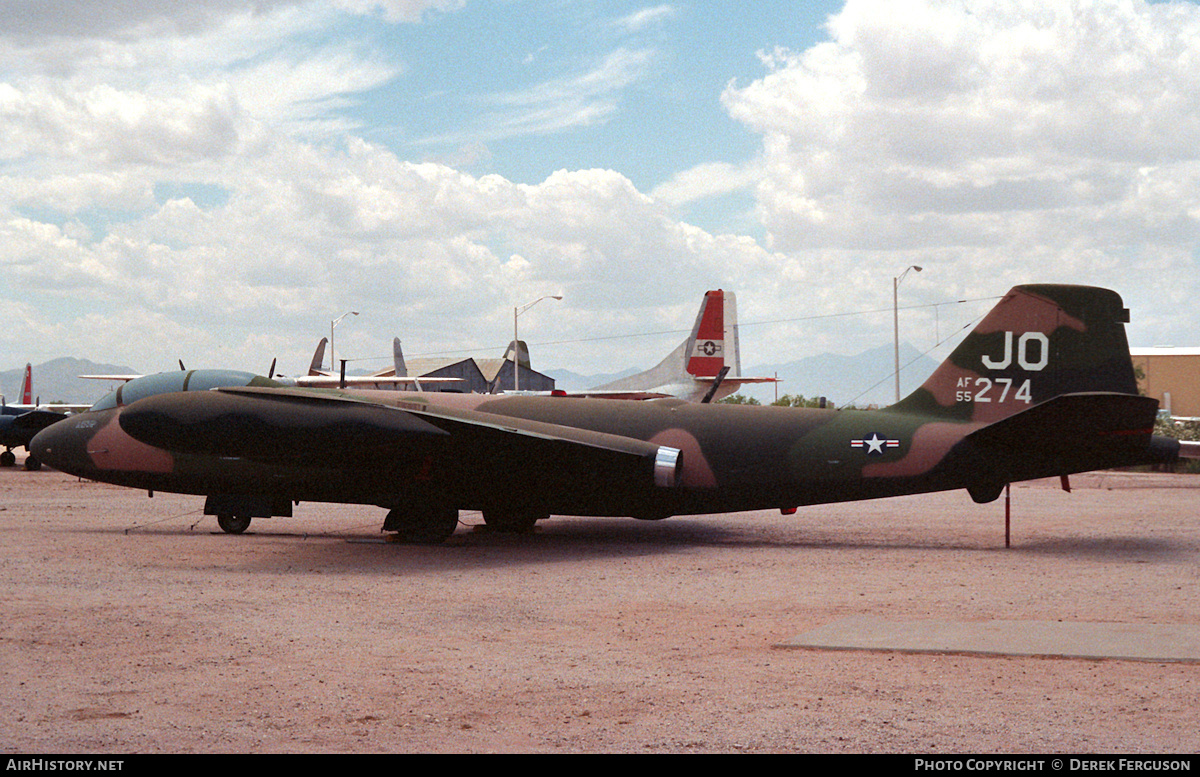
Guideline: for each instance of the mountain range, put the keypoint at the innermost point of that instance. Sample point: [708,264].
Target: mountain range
[58,381]
[863,379]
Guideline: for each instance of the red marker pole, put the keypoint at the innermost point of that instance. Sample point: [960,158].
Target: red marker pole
[1008,515]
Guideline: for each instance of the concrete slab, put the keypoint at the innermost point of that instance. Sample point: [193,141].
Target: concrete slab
[1171,642]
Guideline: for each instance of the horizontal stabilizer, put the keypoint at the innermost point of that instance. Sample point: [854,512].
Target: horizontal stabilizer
[1069,433]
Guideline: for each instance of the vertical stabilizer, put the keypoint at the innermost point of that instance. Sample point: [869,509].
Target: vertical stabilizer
[318,359]
[401,371]
[706,349]
[1038,342]
[522,353]
[689,371]
[27,388]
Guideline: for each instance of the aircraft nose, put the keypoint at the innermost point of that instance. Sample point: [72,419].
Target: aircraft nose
[63,445]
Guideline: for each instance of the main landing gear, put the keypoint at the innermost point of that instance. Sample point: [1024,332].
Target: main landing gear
[9,459]
[424,525]
[234,511]
[233,524]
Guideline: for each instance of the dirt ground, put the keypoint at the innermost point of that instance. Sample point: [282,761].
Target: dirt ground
[132,625]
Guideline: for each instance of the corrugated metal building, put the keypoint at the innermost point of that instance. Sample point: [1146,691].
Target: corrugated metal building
[1172,376]
[481,376]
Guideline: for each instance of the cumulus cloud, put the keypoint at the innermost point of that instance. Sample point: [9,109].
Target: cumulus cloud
[991,143]
[939,123]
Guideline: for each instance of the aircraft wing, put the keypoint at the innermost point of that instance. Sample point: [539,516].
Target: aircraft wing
[734,379]
[35,420]
[111,377]
[298,427]
[316,381]
[18,430]
[596,394]
[333,381]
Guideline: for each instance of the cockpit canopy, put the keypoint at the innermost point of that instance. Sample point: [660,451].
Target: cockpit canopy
[183,380]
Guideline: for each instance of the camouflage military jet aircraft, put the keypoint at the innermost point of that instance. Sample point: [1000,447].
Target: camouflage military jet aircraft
[1043,386]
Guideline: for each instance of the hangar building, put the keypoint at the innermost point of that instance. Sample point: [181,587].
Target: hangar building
[482,376]
[1172,376]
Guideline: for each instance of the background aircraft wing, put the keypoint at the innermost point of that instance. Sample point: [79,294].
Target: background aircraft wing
[333,381]
[598,394]
[125,378]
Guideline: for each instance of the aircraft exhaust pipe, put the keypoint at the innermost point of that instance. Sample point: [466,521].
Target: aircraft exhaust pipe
[667,463]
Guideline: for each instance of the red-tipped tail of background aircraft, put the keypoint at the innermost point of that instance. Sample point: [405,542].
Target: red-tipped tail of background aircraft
[709,358]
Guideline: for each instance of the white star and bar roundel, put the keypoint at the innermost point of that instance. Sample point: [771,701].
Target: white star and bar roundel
[874,444]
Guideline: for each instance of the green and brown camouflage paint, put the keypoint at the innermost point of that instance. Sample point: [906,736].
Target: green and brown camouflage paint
[1043,386]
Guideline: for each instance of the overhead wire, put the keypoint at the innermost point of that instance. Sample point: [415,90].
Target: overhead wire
[741,325]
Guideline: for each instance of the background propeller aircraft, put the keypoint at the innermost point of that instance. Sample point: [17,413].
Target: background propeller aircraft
[396,375]
[1043,386]
[706,366]
[19,423]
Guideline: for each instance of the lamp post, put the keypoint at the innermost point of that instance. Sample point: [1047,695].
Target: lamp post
[517,340]
[896,323]
[332,324]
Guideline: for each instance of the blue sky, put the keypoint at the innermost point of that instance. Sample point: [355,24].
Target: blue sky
[216,184]
[511,76]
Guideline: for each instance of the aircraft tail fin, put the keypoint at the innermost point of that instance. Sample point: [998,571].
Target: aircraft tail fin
[27,386]
[713,343]
[1037,343]
[401,370]
[318,359]
[691,369]
[522,350]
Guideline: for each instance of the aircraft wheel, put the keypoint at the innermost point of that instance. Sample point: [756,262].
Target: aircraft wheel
[233,524]
[7,459]
[32,464]
[430,527]
[513,521]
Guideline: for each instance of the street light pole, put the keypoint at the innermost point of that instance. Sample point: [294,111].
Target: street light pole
[517,340]
[332,324]
[896,324]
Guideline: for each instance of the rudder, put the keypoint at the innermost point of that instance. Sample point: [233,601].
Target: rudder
[706,346]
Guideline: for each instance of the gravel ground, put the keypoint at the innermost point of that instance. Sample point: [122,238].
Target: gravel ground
[133,625]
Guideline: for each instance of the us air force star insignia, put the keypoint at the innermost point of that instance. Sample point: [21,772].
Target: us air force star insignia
[710,348]
[875,444]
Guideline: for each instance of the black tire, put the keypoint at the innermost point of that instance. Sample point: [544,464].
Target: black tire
[233,524]
[7,459]
[32,464]
[431,526]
